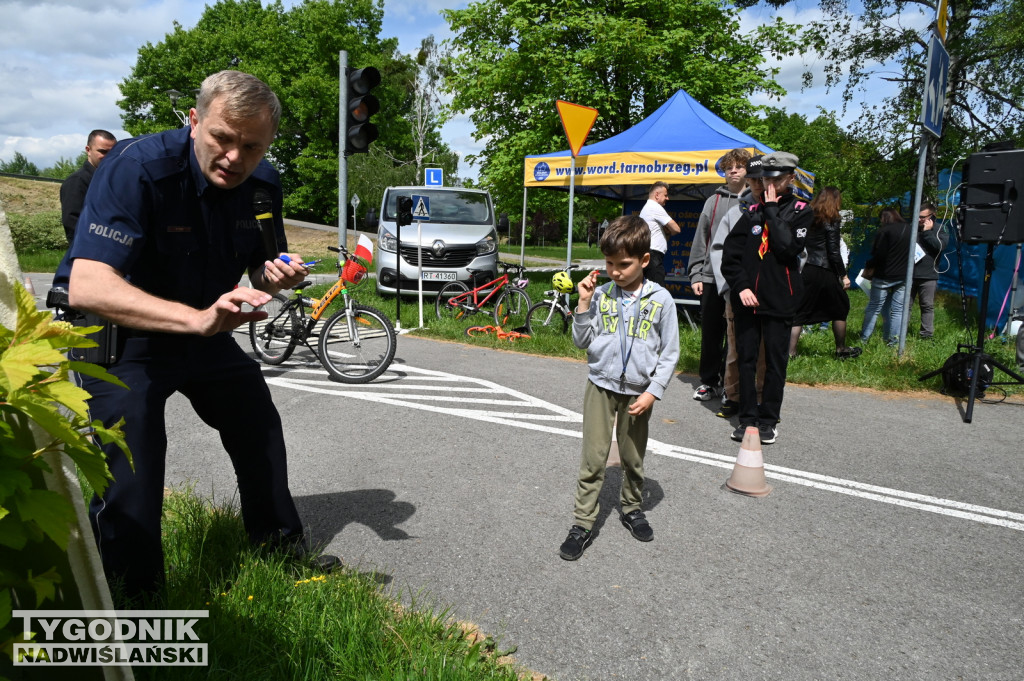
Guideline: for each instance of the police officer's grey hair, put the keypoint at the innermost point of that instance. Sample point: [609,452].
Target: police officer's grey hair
[244,96]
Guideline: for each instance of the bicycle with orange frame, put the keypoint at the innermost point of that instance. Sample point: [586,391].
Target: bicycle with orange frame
[355,345]
[511,302]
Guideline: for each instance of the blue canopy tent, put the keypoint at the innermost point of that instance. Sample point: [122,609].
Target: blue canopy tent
[680,143]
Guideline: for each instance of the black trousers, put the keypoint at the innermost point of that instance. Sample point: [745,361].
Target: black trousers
[712,335]
[229,393]
[655,270]
[750,328]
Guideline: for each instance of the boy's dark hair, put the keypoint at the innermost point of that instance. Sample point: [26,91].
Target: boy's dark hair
[629,234]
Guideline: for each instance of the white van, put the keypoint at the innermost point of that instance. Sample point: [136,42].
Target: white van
[461,235]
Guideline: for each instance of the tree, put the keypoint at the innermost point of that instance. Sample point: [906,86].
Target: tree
[64,167]
[295,51]
[19,165]
[985,98]
[510,61]
[425,114]
[837,157]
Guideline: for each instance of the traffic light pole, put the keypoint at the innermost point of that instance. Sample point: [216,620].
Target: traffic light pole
[342,157]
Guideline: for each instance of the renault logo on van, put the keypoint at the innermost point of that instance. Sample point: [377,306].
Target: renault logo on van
[438,249]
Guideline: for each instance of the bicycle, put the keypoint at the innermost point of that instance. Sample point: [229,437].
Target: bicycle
[551,316]
[355,345]
[511,302]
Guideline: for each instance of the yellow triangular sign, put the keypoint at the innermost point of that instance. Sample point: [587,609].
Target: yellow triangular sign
[577,120]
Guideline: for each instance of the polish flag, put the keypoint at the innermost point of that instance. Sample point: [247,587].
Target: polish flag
[355,269]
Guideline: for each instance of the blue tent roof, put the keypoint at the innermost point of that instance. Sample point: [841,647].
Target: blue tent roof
[682,124]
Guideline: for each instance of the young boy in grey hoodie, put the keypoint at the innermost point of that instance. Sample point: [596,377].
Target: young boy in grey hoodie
[631,333]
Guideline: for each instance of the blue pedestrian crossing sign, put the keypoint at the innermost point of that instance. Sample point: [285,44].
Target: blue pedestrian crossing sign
[433,177]
[935,87]
[420,208]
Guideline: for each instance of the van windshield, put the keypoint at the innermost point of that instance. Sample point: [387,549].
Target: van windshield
[446,207]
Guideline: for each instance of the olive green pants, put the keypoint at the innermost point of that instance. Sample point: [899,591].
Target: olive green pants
[600,409]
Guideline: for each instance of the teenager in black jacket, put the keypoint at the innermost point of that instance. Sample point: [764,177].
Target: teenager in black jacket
[761,263]
[888,262]
[824,274]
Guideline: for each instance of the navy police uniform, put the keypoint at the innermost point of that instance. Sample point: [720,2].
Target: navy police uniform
[152,215]
[762,253]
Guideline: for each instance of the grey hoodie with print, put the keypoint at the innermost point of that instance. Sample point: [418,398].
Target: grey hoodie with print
[646,332]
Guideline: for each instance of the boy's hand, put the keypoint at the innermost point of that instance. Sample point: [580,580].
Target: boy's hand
[586,289]
[644,402]
[748,298]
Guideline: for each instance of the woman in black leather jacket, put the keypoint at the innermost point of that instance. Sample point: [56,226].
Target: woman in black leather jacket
[824,275]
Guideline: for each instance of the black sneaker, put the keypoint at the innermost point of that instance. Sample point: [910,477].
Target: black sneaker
[767,433]
[729,409]
[738,434]
[636,523]
[577,541]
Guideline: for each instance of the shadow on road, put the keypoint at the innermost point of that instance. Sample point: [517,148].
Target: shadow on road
[609,497]
[326,515]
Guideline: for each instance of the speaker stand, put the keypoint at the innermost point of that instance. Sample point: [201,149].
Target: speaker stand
[976,352]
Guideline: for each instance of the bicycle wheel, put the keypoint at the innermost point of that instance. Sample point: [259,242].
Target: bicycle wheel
[357,345]
[274,338]
[511,309]
[546,318]
[444,306]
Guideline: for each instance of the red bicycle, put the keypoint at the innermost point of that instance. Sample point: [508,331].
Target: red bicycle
[511,302]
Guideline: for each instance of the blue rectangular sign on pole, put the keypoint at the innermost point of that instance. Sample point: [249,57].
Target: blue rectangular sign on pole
[433,177]
[935,86]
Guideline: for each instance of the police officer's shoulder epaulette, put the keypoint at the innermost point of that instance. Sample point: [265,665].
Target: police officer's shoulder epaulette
[163,166]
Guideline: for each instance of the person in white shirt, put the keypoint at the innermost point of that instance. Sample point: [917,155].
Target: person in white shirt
[662,228]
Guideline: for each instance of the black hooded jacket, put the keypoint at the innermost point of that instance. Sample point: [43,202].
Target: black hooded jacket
[774,277]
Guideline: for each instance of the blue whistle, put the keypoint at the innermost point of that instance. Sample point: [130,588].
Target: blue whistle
[284,258]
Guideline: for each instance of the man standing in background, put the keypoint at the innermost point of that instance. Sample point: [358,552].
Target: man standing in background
[931,241]
[72,190]
[662,227]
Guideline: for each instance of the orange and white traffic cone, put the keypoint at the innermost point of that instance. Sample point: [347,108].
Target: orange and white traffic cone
[748,474]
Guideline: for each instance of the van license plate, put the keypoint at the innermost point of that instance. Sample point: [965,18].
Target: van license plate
[439,276]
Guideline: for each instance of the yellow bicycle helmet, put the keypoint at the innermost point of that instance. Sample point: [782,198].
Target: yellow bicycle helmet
[563,282]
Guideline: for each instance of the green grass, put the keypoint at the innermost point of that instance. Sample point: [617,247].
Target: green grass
[272,618]
[579,252]
[40,261]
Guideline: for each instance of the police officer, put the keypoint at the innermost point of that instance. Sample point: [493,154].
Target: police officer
[167,230]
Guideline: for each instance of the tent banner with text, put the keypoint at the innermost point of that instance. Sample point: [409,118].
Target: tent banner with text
[639,168]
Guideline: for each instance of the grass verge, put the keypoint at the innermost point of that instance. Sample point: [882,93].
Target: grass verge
[275,619]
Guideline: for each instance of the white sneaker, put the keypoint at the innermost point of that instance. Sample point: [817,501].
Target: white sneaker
[705,392]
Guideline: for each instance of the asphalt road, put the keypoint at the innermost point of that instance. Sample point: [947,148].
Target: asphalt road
[890,548]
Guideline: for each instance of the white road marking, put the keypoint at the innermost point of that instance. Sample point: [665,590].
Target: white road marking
[525,411]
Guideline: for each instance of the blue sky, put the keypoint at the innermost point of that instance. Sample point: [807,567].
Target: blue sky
[61,60]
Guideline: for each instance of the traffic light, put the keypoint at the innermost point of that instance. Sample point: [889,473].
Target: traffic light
[361,104]
[404,205]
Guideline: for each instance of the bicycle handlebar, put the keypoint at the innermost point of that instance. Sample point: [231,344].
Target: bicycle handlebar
[506,266]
